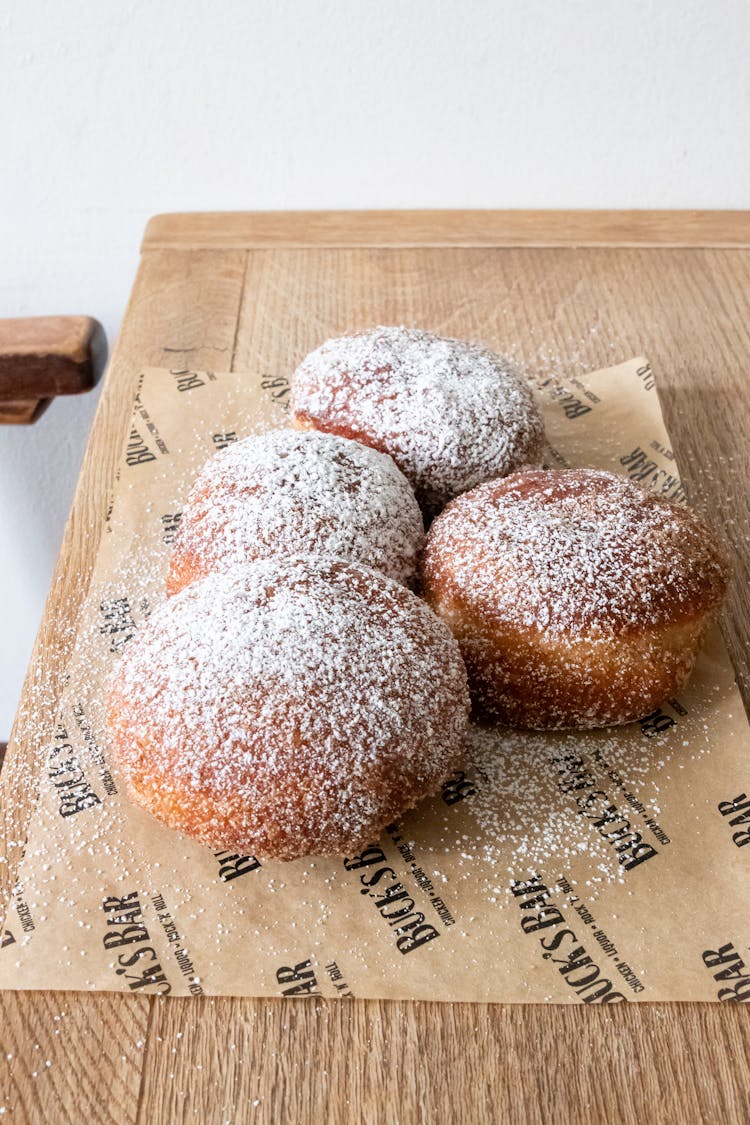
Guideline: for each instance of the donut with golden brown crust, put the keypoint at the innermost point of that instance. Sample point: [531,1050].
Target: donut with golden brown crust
[450,413]
[291,493]
[288,707]
[578,599]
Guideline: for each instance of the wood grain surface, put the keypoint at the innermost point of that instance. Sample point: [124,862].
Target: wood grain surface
[73,1057]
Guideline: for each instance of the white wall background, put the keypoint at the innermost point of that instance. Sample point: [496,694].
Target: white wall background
[112,111]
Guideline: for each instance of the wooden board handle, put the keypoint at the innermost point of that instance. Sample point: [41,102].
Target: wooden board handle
[45,356]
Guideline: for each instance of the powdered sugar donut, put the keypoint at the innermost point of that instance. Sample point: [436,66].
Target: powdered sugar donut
[292,493]
[578,599]
[288,707]
[450,413]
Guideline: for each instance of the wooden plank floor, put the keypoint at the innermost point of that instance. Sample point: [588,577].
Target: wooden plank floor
[122,1059]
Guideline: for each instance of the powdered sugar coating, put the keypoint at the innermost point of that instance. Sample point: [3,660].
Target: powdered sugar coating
[576,552]
[290,493]
[451,414]
[289,707]
[578,599]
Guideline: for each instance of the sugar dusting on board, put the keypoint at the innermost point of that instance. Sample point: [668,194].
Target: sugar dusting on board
[555,800]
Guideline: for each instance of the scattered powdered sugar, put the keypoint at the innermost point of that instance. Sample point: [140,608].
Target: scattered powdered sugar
[562,802]
[527,823]
[289,707]
[290,493]
[575,552]
[452,414]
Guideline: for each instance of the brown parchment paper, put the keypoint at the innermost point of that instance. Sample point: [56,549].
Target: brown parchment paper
[564,868]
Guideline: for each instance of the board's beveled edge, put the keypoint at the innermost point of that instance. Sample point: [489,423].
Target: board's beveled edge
[248,230]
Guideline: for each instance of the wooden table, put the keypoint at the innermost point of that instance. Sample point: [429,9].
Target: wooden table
[257,291]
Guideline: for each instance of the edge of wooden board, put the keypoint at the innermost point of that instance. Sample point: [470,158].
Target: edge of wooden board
[253,230]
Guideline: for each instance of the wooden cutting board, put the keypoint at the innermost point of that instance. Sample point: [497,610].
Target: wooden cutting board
[256,291]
